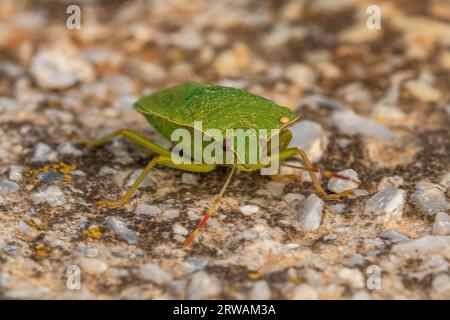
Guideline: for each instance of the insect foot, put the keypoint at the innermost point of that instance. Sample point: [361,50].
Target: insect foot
[111,204]
[337,196]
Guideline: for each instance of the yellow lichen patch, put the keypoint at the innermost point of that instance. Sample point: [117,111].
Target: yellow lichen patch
[93,232]
[295,281]
[42,250]
[62,167]
[254,276]
[39,226]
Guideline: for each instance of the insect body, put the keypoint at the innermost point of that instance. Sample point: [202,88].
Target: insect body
[221,109]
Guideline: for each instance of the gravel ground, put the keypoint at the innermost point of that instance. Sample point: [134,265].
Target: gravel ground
[374,103]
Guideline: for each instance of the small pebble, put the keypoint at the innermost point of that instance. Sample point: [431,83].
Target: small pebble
[119,227]
[93,266]
[430,198]
[155,274]
[310,213]
[310,137]
[179,229]
[15,173]
[301,75]
[51,176]
[356,259]
[59,69]
[393,235]
[291,197]
[260,291]
[425,245]
[338,185]
[189,178]
[305,292]
[388,202]
[202,286]
[351,123]
[52,195]
[338,208]
[352,277]
[7,187]
[67,148]
[441,224]
[44,153]
[171,213]
[248,210]
[441,287]
[445,181]
[361,295]
[147,209]
[423,90]
[107,171]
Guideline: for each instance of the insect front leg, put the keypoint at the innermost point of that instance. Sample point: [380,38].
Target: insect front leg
[132,136]
[127,197]
[162,160]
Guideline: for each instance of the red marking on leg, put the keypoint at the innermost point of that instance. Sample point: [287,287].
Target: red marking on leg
[204,220]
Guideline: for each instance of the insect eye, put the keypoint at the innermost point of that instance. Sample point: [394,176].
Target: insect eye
[284,120]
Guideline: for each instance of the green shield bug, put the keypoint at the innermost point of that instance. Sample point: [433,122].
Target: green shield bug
[223,110]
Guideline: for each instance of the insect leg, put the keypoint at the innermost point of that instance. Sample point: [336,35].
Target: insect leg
[326,173]
[153,163]
[132,136]
[210,211]
[126,198]
[312,170]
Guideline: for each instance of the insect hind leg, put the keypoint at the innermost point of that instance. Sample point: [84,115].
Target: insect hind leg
[312,173]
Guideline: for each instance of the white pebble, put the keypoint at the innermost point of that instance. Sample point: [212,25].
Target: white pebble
[310,213]
[301,75]
[353,277]
[107,171]
[423,90]
[52,195]
[310,137]
[119,227]
[430,198]
[338,208]
[59,69]
[351,123]
[171,213]
[155,273]
[425,245]
[389,202]
[147,209]
[15,173]
[305,292]
[189,178]
[260,291]
[179,229]
[441,224]
[7,186]
[44,153]
[248,210]
[202,286]
[291,197]
[93,266]
[337,185]
[67,148]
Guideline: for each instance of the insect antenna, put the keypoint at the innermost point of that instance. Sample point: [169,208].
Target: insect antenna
[210,211]
[325,173]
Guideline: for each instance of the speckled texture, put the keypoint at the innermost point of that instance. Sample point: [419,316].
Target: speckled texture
[381,98]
